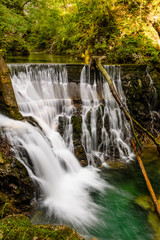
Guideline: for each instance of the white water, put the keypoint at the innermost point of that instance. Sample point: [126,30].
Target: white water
[115,142]
[64,185]
[41,92]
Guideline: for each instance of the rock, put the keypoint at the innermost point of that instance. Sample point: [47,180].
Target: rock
[145,202]
[116,164]
[154,221]
[138,92]
[7,206]
[74,90]
[8,104]
[15,183]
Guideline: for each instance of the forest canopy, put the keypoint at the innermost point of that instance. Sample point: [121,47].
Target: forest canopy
[126,31]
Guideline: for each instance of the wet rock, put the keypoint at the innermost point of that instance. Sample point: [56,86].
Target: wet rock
[77,134]
[63,121]
[113,163]
[8,104]
[138,90]
[15,182]
[74,90]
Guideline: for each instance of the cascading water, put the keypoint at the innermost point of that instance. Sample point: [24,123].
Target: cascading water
[102,119]
[41,92]
[155,115]
[65,186]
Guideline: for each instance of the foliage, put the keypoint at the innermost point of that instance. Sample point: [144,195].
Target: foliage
[127,31]
[13,27]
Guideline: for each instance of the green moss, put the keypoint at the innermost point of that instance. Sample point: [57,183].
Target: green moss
[19,227]
[6,205]
[155,223]
[145,202]
[15,113]
[77,124]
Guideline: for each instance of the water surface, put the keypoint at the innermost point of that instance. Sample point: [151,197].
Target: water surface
[44,58]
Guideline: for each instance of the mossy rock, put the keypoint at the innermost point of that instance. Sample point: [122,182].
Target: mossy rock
[77,125]
[15,182]
[19,227]
[116,164]
[145,202]
[154,221]
[6,205]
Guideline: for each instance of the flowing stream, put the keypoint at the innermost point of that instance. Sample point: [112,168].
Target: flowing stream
[97,203]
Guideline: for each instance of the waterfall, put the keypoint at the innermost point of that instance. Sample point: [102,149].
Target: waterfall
[65,187]
[42,92]
[106,132]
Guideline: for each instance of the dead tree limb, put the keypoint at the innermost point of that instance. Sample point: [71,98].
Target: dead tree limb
[96,61]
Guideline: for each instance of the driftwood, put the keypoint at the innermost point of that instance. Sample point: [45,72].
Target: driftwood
[96,62]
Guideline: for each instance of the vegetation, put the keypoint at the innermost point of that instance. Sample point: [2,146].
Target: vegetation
[126,31]
[19,227]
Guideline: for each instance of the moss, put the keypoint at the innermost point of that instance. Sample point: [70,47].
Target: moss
[77,124]
[145,202]
[6,205]
[7,98]
[155,223]
[116,164]
[19,227]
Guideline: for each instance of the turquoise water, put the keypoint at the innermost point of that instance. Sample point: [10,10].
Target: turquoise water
[121,218]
